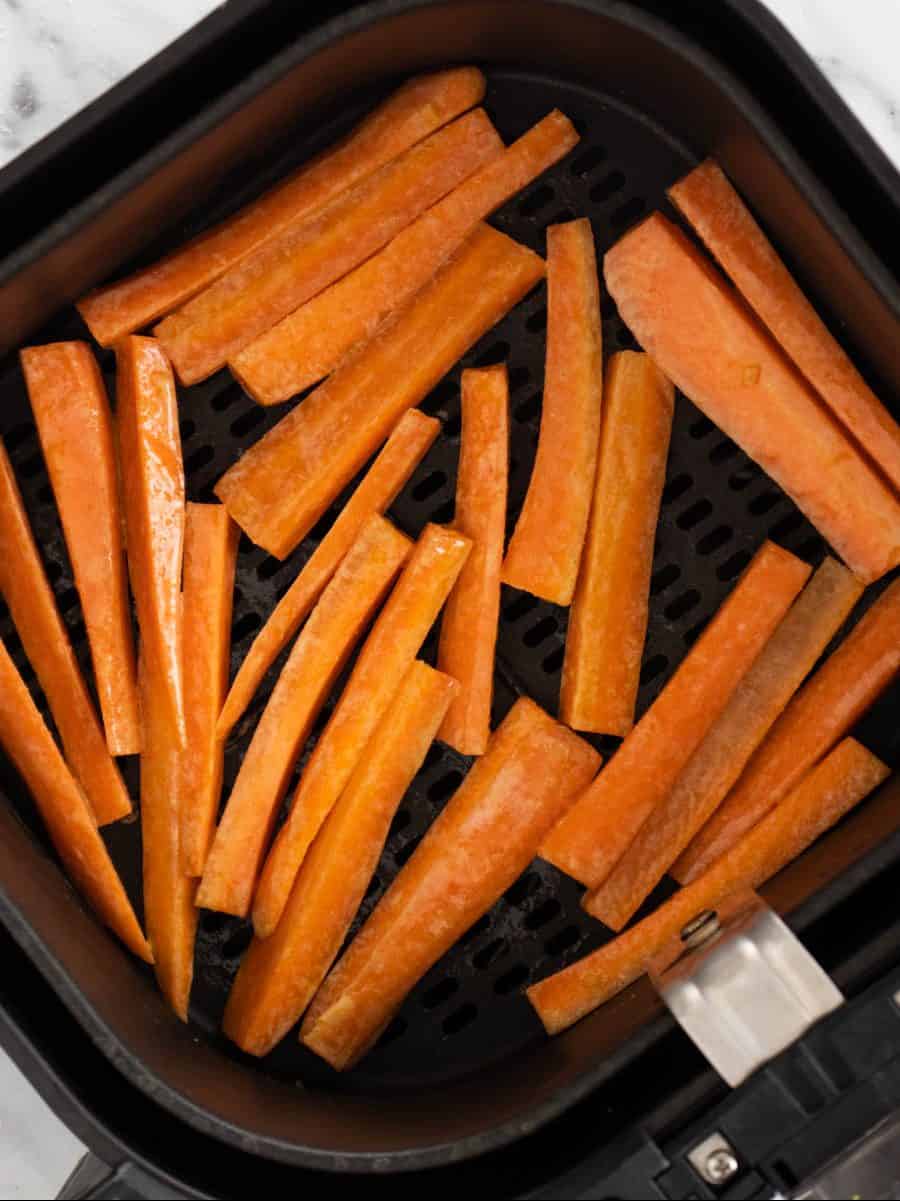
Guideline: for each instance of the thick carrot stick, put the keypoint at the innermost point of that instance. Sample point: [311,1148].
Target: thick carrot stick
[279,489]
[413,112]
[697,330]
[785,661]
[308,344]
[820,714]
[392,645]
[46,641]
[315,662]
[401,454]
[841,781]
[596,832]
[715,210]
[73,418]
[545,549]
[64,808]
[279,975]
[210,552]
[608,621]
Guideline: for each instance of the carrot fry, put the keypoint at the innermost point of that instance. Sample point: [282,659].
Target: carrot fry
[469,625]
[74,422]
[279,975]
[413,112]
[820,714]
[315,662]
[545,549]
[308,344]
[393,644]
[279,489]
[64,808]
[697,330]
[608,621]
[715,210]
[785,661]
[401,454]
[597,830]
[46,641]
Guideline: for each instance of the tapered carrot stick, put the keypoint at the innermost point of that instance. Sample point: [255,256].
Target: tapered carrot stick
[393,644]
[401,454]
[315,662]
[785,661]
[279,489]
[413,112]
[74,422]
[608,621]
[279,975]
[309,343]
[596,832]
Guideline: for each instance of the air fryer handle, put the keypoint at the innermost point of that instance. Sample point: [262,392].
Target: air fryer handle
[93,1180]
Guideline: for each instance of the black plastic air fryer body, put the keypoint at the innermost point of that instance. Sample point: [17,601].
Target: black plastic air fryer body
[464,1091]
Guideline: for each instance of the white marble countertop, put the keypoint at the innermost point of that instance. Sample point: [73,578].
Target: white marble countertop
[57,55]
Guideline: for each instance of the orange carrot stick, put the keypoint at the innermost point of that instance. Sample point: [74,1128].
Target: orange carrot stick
[715,210]
[308,344]
[315,662]
[401,454]
[596,832]
[46,641]
[413,112]
[279,975]
[545,549]
[608,621]
[279,489]
[392,645]
[785,661]
[74,422]
[692,324]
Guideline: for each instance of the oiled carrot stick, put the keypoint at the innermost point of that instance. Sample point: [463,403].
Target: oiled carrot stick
[279,489]
[393,644]
[595,833]
[697,330]
[401,454]
[315,662]
[785,661]
[414,111]
[545,549]
[608,621]
[279,975]
[309,343]
[71,410]
[46,641]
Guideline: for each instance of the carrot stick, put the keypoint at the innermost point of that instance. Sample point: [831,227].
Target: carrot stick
[696,329]
[545,549]
[210,551]
[315,662]
[304,258]
[596,832]
[820,714]
[785,661]
[401,454]
[64,808]
[608,621]
[841,781]
[279,489]
[74,422]
[391,647]
[469,625]
[413,112]
[46,641]
[715,210]
[308,344]
[279,975]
